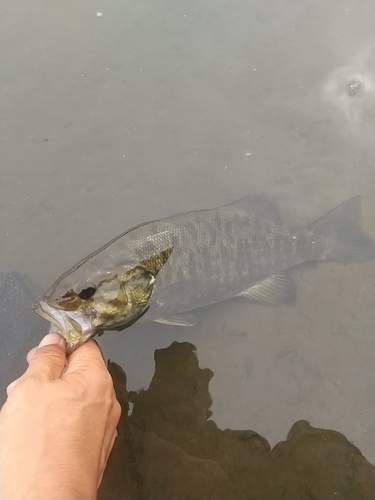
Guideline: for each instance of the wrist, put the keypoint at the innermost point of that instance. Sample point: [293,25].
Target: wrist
[55,478]
[58,491]
[66,479]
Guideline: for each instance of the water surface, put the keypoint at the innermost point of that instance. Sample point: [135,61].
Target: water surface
[159,107]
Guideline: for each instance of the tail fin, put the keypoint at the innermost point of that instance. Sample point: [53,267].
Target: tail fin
[345,240]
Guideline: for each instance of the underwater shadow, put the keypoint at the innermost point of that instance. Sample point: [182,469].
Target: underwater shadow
[168,448]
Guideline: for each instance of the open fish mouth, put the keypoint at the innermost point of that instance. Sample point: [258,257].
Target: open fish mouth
[74,326]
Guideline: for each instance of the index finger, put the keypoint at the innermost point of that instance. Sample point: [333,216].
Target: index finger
[48,358]
[87,356]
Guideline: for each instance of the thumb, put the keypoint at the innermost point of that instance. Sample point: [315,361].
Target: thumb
[84,359]
[49,358]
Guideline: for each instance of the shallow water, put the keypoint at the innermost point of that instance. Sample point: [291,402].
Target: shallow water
[161,107]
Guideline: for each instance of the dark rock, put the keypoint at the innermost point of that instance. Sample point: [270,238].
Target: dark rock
[20,328]
[169,449]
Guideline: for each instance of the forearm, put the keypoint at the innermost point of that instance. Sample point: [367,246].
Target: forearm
[59,481]
[49,466]
[57,492]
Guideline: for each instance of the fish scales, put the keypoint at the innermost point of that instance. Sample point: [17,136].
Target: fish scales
[162,268]
[224,251]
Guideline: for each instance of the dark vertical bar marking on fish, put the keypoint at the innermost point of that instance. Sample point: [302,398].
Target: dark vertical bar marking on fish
[206,256]
[228,230]
[217,222]
[210,232]
[192,229]
[191,262]
[154,263]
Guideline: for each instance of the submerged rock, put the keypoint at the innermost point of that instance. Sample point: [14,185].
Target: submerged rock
[20,328]
[169,449]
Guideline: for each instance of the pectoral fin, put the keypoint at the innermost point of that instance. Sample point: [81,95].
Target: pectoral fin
[183,319]
[275,290]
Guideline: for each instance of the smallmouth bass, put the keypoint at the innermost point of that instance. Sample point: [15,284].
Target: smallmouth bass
[163,269]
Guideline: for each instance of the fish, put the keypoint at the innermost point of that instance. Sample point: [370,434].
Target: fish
[162,270]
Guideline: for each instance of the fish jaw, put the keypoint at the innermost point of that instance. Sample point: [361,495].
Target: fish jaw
[74,326]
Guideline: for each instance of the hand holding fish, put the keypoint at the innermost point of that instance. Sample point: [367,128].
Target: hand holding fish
[58,424]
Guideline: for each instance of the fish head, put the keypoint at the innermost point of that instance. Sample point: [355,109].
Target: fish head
[81,308]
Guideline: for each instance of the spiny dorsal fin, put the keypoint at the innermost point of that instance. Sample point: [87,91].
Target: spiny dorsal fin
[260,204]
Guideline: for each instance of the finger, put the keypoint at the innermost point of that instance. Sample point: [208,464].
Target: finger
[49,357]
[51,339]
[88,354]
[30,354]
[47,339]
[12,385]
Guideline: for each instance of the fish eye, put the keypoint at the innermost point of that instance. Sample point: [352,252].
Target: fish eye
[87,293]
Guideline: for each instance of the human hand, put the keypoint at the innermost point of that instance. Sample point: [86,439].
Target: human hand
[58,424]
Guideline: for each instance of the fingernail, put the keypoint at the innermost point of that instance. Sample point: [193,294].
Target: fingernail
[52,338]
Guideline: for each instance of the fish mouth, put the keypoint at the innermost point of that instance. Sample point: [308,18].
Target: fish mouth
[74,326]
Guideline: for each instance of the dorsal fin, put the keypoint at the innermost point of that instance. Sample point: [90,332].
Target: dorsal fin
[260,204]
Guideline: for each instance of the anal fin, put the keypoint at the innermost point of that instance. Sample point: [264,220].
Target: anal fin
[275,290]
[182,319]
